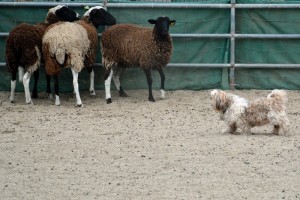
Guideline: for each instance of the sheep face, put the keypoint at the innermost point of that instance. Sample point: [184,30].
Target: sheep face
[99,16]
[162,25]
[61,13]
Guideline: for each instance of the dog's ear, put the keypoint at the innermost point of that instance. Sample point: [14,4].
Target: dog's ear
[222,102]
[219,103]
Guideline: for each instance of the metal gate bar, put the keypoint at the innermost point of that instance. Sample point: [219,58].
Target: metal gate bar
[153,5]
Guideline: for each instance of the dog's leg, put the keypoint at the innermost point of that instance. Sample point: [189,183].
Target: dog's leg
[246,129]
[285,125]
[276,130]
[285,129]
[231,128]
[227,130]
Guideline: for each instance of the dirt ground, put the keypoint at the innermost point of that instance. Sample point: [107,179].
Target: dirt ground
[135,149]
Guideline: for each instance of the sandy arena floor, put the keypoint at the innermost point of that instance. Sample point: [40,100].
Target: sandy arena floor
[135,149]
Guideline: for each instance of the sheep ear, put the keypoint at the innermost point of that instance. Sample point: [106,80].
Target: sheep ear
[152,21]
[172,22]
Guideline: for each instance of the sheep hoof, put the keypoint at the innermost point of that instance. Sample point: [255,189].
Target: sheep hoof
[108,101]
[50,96]
[93,93]
[162,94]
[151,99]
[122,93]
[30,103]
[34,96]
[11,99]
[79,105]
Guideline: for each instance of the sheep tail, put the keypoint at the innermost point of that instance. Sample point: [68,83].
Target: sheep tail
[51,65]
[12,56]
[60,55]
[77,61]
[37,64]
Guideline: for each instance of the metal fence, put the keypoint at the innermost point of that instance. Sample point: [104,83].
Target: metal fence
[232,36]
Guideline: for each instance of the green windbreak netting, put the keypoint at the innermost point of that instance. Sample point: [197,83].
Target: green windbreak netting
[186,50]
[281,51]
[191,50]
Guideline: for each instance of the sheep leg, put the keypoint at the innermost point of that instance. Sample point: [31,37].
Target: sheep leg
[56,89]
[122,92]
[92,81]
[116,78]
[107,83]
[13,84]
[162,83]
[149,81]
[26,80]
[48,87]
[36,78]
[21,74]
[76,87]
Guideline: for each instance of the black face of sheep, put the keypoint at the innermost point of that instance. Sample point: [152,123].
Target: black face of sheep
[66,14]
[101,17]
[61,13]
[162,25]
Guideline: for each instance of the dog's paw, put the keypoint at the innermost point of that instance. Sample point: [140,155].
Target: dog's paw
[225,131]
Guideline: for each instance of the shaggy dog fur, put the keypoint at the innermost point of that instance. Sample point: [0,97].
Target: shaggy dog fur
[237,112]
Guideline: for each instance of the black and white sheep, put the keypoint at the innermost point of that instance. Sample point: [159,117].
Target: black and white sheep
[24,47]
[127,45]
[74,45]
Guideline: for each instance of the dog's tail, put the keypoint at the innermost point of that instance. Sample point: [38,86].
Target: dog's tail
[279,95]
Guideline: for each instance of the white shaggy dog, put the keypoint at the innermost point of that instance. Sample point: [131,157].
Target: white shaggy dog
[237,112]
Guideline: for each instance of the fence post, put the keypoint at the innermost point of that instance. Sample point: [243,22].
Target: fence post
[104,2]
[232,46]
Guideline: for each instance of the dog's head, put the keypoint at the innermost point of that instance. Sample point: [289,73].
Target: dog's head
[219,100]
[278,95]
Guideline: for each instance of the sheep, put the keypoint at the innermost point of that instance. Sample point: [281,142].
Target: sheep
[128,45]
[24,46]
[74,45]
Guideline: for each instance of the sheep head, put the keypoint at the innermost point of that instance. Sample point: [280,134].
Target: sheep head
[99,16]
[162,25]
[61,13]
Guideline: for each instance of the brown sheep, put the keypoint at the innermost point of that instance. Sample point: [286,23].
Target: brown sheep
[24,46]
[127,45]
[74,45]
